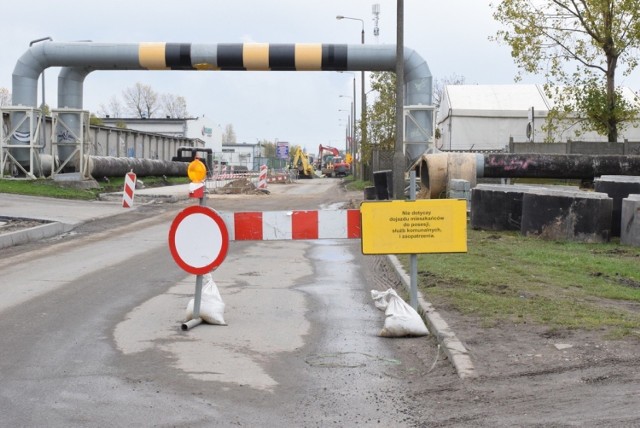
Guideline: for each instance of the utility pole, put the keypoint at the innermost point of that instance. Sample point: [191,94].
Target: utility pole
[398,154]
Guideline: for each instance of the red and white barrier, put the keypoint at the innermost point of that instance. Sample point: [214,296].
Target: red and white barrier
[226,173]
[282,225]
[262,178]
[278,178]
[129,189]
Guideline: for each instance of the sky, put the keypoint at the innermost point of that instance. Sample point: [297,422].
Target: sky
[303,108]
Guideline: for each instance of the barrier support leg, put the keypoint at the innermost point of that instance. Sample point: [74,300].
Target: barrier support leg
[196,320]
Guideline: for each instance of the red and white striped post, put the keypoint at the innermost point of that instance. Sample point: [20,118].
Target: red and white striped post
[262,178]
[129,189]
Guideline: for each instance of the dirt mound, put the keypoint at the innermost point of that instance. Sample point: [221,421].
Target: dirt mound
[241,186]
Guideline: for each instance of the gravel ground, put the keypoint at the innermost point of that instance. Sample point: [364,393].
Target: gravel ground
[10,224]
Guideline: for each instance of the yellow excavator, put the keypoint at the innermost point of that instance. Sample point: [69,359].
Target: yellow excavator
[301,162]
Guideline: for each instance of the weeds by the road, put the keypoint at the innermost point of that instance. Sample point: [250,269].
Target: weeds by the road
[506,277]
[53,189]
[353,184]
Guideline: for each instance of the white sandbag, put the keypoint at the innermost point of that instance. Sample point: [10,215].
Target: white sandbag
[211,304]
[380,299]
[401,319]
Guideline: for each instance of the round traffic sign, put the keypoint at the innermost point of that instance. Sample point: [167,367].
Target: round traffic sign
[198,239]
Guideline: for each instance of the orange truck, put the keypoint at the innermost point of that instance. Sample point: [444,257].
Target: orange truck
[331,163]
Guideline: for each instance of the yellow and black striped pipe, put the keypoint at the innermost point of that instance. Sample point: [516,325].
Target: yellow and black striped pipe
[244,56]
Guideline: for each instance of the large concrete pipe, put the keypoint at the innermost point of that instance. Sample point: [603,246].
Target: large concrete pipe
[436,170]
[83,57]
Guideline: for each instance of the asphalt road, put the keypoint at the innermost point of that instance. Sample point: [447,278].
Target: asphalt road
[90,336]
[90,331]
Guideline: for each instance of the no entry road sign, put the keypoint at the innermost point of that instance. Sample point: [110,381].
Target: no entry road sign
[198,240]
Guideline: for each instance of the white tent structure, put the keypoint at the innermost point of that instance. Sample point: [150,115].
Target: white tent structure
[486,117]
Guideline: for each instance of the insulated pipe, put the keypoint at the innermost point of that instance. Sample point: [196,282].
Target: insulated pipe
[506,165]
[109,166]
[436,170]
[89,56]
[70,91]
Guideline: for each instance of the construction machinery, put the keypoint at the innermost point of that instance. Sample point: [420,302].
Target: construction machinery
[302,164]
[332,164]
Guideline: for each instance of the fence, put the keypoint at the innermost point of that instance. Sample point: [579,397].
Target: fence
[226,180]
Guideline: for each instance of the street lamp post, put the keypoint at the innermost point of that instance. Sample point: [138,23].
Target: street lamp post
[346,123]
[398,154]
[42,107]
[363,101]
[348,146]
[352,128]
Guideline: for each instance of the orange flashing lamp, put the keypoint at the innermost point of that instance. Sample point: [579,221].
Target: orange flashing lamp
[197,173]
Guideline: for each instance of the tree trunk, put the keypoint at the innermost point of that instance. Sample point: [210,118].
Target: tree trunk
[612,119]
[612,63]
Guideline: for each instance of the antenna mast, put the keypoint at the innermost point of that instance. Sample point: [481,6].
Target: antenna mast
[376,17]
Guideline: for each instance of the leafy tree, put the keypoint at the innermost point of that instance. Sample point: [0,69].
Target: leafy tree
[141,100]
[229,135]
[174,106]
[381,114]
[267,148]
[579,46]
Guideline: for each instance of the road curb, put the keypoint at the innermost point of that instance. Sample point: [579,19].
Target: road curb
[143,198]
[452,346]
[33,234]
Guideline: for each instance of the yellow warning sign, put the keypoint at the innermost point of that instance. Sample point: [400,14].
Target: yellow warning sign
[414,227]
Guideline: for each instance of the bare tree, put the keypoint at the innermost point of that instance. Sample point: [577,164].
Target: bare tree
[174,106]
[113,109]
[5,97]
[229,135]
[439,84]
[141,100]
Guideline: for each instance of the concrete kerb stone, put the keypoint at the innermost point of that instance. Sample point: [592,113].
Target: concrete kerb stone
[451,345]
[37,233]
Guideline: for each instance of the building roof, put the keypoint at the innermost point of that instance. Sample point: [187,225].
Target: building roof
[496,97]
[500,100]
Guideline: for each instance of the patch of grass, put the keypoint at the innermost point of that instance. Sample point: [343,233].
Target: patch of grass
[353,184]
[53,189]
[43,187]
[506,277]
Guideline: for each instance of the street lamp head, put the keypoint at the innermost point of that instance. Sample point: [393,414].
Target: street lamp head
[339,17]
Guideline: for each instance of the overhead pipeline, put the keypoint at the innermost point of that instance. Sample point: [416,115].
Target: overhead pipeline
[78,59]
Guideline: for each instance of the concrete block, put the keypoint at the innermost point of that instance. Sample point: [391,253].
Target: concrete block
[630,216]
[497,206]
[617,187]
[459,185]
[567,215]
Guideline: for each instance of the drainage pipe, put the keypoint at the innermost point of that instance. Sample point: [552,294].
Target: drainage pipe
[436,170]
